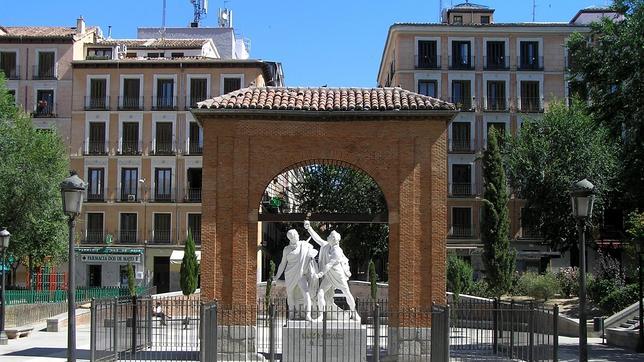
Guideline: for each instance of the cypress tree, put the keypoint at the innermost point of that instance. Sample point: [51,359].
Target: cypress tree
[131,281]
[373,279]
[498,257]
[269,284]
[189,268]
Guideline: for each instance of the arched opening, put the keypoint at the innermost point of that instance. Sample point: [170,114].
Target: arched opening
[332,195]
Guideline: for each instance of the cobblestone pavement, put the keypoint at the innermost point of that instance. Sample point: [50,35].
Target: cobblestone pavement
[45,346]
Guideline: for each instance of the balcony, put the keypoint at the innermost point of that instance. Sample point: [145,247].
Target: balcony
[131,103]
[534,63]
[127,237]
[461,189]
[464,104]
[461,145]
[495,104]
[164,104]
[130,148]
[96,148]
[423,62]
[531,105]
[191,102]
[162,148]
[97,103]
[195,148]
[44,110]
[95,196]
[163,196]
[11,73]
[461,231]
[496,63]
[528,232]
[462,63]
[44,73]
[193,195]
[94,237]
[161,237]
[128,194]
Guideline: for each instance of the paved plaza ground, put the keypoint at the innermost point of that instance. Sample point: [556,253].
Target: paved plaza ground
[45,346]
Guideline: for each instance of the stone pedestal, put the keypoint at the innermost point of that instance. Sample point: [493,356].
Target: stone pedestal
[237,343]
[309,341]
[409,344]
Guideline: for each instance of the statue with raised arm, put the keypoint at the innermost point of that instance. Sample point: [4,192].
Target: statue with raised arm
[333,268]
[300,272]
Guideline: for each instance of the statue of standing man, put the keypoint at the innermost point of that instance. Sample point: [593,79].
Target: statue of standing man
[333,267]
[300,272]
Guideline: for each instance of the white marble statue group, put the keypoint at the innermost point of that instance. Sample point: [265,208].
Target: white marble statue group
[307,281]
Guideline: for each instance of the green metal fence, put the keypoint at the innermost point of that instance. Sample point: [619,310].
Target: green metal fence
[15,297]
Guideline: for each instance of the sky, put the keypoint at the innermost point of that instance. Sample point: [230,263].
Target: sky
[332,42]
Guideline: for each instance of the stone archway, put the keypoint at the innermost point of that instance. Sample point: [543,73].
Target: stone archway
[397,137]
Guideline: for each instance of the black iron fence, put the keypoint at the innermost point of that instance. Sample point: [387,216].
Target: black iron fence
[186,329]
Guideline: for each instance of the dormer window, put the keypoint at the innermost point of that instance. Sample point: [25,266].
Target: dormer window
[177,55]
[485,19]
[156,55]
[458,19]
[99,53]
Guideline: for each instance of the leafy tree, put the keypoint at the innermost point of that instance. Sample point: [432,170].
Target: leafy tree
[32,165]
[131,281]
[373,279]
[460,276]
[498,256]
[610,67]
[189,271]
[547,157]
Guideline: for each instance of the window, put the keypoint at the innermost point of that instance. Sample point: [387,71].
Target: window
[130,55]
[132,99]
[193,192]
[95,185]
[458,19]
[529,54]
[9,65]
[129,184]
[461,95]
[231,84]
[156,55]
[196,139]
[165,94]
[194,227]
[123,272]
[12,93]
[461,222]
[44,103]
[198,91]
[461,55]
[97,94]
[99,53]
[162,184]
[128,228]
[162,227]
[485,19]
[461,136]
[528,231]
[461,180]
[130,138]
[176,55]
[495,58]
[94,228]
[96,144]
[428,87]
[500,128]
[164,144]
[530,99]
[94,276]
[427,57]
[495,95]
[46,68]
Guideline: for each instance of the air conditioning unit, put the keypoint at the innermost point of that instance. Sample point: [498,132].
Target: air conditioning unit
[131,198]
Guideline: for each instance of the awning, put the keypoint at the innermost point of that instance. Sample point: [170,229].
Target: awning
[177,256]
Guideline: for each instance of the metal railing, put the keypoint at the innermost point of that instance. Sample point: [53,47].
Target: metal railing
[461,189]
[496,63]
[130,103]
[462,63]
[191,102]
[464,104]
[12,73]
[83,294]
[132,148]
[164,103]
[95,196]
[531,104]
[161,236]
[498,104]
[128,194]
[127,237]
[95,148]
[44,110]
[94,237]
[195,148]
[164,196]
[193,195]
[461,231]
[97,103]
[162,148]
[428,62]
[461,145]
[44,73]
[528,232]
[533,63]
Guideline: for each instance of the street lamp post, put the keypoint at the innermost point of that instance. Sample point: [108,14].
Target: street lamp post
[4,244]
[72,190]
[582,197]
[640,253]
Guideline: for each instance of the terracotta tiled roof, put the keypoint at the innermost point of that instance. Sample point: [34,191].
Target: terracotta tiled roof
[325,99]
[41,31]
[156,43]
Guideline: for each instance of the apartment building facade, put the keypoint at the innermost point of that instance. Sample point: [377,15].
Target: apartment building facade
[498,75]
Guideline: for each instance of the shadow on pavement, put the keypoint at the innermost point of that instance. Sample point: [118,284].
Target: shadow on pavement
[49,352]
[600,353]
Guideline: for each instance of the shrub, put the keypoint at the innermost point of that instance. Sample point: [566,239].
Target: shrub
[537,286]
[569,281]
[608,268]
[460,276]
[600,288]
[481,288]
[619,299]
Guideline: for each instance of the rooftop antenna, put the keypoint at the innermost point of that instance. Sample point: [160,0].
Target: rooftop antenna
[534,9]
[440,10]
[162,32]
[200,11]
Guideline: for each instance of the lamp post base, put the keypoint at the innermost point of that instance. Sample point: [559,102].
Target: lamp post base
[3,339]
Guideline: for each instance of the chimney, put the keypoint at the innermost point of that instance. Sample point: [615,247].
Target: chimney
[80,25]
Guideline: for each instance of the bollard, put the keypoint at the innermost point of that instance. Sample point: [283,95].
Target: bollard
[376,333]
[555,332]
[271,332]
[93,330]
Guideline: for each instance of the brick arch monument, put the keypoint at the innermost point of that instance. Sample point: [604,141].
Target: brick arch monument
[398,137]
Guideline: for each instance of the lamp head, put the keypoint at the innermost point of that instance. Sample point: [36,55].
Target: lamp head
[582,196]
[72,190]
[4,238]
